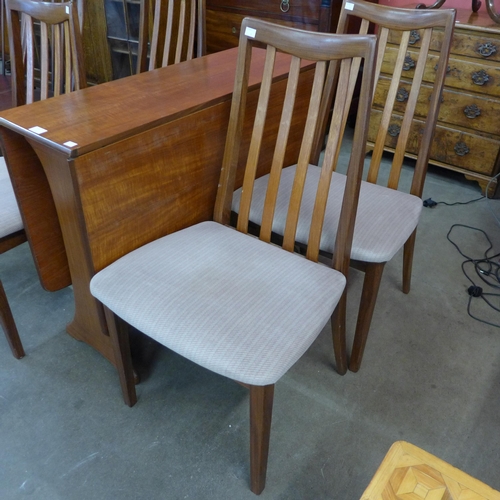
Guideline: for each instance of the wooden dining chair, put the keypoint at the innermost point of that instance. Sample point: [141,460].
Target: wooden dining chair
[175,32]
[228,301]
[44,62]
[49,62]
[11,235]
[408,104]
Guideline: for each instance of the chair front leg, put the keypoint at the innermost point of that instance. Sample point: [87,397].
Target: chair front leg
[338,323]
[371,285]
[118,332]
[9,326]
[408,250]
[261,411]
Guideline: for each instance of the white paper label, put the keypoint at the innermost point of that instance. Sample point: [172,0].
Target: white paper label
[37,130]
[70,144]
[349,6]
[67,9]
[250,32]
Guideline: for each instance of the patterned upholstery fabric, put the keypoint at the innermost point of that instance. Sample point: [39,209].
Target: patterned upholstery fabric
[10,218]
[384,221]
[229,302]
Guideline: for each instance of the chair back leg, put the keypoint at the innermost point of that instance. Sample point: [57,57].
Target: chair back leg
[261,410]
[9,326]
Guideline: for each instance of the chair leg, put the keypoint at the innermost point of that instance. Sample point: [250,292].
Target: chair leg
[371,284]
[408,251]
[261,411]
[338,323]
[118,332]
[9,326]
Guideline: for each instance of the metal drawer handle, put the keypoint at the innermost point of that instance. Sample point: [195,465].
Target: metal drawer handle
[402,95]
[414,37]
[461,149]
[472,111]
[408,64]
[394,130]
[480,77]
[448,68]
[285,5]
[487,49]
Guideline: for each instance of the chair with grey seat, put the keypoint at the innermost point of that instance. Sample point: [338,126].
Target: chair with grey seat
[233,303]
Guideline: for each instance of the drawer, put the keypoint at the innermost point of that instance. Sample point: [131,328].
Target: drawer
[223,29]
[475,112]
[482,46]
[461,149]
[464,74]
[298,10]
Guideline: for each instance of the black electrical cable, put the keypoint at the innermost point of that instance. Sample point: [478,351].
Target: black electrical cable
[486,269]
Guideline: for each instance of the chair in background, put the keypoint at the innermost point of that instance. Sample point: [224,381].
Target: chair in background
[46,64]
[171,36]
[11,235]
[387,217]
[228,301]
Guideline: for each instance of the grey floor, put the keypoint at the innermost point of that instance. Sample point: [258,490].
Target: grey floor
[431,376]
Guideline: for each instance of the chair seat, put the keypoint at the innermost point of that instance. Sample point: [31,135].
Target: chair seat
[225,300]
[10,218]
[385,219]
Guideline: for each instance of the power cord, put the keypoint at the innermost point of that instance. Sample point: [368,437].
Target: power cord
[486,269]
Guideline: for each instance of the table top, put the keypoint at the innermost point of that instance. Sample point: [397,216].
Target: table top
[97,116]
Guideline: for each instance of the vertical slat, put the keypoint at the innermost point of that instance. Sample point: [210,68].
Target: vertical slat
[168,33]
[192,30]
[58,61]
[404,133]
[256,141]
[30,56]
[68,59]
[387,112]
[180,31]
[44,61]
[304,157]
[280,150]
[153,53]
[337,126]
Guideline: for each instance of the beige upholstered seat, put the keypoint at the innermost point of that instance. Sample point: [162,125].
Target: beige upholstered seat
[234,303]
[387,218]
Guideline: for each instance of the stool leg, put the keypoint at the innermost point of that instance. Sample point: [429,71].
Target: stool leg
[9,326]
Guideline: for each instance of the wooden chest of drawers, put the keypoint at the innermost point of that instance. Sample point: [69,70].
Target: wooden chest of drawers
[467,137]
[224,17]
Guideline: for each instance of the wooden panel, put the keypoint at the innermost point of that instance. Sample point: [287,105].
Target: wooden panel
[452,109]
[114,181]
[224,28]
[305,11]
[460,74]
[481,158]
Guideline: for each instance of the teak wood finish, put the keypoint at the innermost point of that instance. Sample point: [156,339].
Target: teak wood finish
[75,221]
[177,35]
[244,162]
[58,47]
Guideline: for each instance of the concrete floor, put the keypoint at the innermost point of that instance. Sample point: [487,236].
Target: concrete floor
[431,376]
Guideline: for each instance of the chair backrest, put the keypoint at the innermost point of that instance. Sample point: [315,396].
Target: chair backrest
[411,83]
[45,49]
[177,26]
[296,128]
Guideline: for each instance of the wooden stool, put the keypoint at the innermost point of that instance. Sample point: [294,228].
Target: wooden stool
[409,473]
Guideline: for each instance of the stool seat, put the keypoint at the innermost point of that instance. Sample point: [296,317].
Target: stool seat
[410,473]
